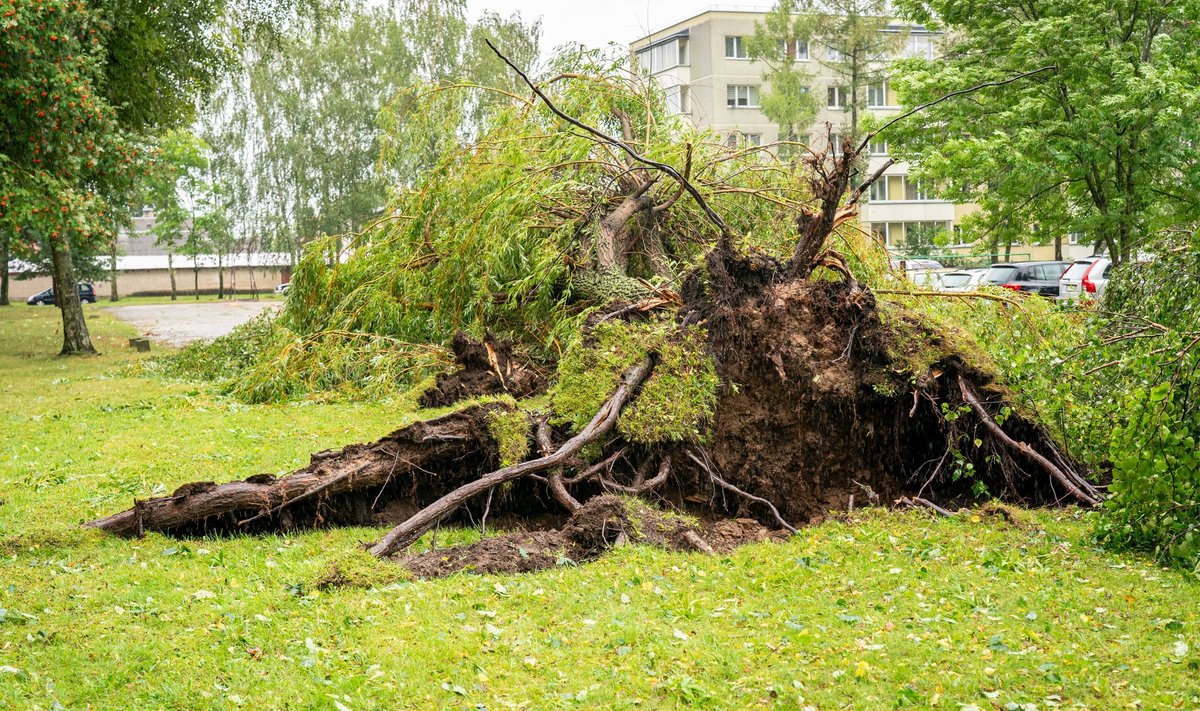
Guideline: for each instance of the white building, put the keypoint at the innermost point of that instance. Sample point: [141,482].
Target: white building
[703,66]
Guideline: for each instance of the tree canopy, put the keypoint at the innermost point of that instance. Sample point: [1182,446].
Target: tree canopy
[1097,139]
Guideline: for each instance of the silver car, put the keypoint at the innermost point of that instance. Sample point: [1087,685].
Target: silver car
[1085,279]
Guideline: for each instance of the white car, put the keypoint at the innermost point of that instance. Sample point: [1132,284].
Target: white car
[961,280]
[283,288]
[1085,279]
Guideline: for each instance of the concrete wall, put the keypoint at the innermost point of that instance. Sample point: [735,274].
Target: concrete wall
[158,281]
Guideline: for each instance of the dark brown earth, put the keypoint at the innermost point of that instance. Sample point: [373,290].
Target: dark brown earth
[819,404]
[486,367]
[602,523]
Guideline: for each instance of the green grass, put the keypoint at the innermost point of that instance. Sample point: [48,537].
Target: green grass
[889,609]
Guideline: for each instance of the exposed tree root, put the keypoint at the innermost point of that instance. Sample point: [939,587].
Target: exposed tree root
[486,367]
[345,487]
[401,536]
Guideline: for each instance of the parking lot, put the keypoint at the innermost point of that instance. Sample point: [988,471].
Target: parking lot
[179,324]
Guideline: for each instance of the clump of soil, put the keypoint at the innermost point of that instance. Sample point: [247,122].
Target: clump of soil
[602,523]
[820,403]
[486,367]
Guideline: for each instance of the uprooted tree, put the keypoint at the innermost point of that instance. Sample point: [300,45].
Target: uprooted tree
[710,375]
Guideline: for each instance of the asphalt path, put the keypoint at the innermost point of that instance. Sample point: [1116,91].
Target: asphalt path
[181,323]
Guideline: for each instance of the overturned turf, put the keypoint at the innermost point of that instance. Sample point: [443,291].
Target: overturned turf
[487,367]
[602,523]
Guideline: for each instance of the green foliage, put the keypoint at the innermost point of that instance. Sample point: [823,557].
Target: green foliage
[1150,380]
[510,427]
[1097,141]
[500,233]
[226,357]
[674,404]
[787,100]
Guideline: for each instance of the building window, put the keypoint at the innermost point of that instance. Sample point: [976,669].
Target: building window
[795,49]
[879,192]
[663,56]
[877,95]
[919,46]
[735,48]
[835,144]
[753,139]
[741,96]
[677,99]
[1074,237]
[879,148]
[834,55]
[839,97]
[914,190]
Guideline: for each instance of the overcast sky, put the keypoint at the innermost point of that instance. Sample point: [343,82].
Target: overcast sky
[597,22]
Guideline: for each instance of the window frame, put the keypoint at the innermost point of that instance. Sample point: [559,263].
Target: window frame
[738,44]
[732,102]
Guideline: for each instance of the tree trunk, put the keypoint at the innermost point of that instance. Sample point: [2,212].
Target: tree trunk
[171,272]
[76,340]
[5,248]
[112,269]
[220,275]
[195,277]
[1058,247]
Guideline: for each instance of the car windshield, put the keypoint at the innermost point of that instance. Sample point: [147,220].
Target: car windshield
[1077,270]
[924,278]
[956,280]
[999,274]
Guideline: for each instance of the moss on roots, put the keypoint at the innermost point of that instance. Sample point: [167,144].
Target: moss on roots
[675,404]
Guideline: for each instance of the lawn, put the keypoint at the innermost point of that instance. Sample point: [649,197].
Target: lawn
[888,609]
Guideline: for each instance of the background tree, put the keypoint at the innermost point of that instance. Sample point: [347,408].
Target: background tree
[781,41]
[1100,142]
[177,190]
[850,41]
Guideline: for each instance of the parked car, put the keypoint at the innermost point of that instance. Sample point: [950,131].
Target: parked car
[912,264]
[46,298]
[283,288]
[962,280]
[1033,277]
[925,278]
[1085,279]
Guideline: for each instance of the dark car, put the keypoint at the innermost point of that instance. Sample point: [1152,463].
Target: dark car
[1035,277]
[46,298]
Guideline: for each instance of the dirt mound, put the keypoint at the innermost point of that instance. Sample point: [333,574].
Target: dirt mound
[827,398]
[486,367]
[601,523]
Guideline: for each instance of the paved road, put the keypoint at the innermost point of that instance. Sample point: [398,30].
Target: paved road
[179,324]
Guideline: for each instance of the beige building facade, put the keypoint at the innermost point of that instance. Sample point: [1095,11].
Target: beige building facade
[703,66]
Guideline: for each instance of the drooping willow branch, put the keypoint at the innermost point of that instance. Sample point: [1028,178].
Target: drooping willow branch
[628,149]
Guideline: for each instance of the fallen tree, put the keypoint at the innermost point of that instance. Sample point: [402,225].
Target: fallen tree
[772,388]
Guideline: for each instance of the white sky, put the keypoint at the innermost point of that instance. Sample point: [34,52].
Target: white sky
[597,22]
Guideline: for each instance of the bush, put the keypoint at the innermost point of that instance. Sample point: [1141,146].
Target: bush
[1152,377]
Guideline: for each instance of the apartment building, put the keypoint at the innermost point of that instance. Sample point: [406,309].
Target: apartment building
[703,65]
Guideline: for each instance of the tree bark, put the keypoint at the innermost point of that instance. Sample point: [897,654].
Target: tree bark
[112,269]
[171,272]
[408,532]
[76,340]
[395,460]
[5,249]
